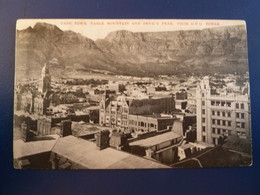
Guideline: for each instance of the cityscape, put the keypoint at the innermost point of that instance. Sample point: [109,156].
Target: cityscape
[185,108]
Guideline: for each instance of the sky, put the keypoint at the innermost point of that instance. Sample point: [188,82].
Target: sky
[99,28]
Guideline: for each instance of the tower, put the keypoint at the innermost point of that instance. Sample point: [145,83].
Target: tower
[45,81]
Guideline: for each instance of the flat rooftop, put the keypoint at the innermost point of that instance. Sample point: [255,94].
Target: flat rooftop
[82,128]
[87,154]
[84,153]
[155,140]
[38,145]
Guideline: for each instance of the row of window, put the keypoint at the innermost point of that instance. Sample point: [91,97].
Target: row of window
[219,113]
[218,131]
[221,103]
[142,124]
[225,103]
[227,123]
[124,116]
[221,131]
[221,122]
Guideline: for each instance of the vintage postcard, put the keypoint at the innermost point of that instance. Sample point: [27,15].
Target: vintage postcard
[131,94]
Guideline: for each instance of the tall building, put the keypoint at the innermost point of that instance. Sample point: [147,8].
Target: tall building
[221,115]
[45,80]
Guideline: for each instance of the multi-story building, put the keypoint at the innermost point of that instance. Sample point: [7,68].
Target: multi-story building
[32,101]
[221,115]
[115,111]
[147,123]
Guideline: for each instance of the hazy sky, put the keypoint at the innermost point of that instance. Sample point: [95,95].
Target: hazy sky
[99,28]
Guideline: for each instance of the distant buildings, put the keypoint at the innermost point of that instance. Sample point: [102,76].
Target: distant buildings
[32,101]
[160,121]
[221,115]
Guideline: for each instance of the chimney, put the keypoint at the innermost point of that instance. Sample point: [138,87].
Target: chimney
[25,132]
[102,139]
[149,153]
[65,128]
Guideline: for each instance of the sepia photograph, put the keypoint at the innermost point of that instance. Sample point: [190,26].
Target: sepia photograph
[131,94]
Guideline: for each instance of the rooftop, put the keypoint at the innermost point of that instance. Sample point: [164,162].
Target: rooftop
[40,145]
[88,155]
[83,153]
[151,141]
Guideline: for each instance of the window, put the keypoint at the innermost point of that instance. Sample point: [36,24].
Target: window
[218,122]
[212,103]
[237,105]
[213,113]
[213,121]
[229,104]
[242,106]
[203,138]
[218,113]
[213,130]
[214,140]
[203,94]
[229,132]
[229,123]
[203,111]
[217,103]
[203,120]
[222,103]
[218,131]
[203,103]
[229,114]
[243,125]
[203,128]
[238,124]
[223,114]
[224,123]
[237,115]
[242,115]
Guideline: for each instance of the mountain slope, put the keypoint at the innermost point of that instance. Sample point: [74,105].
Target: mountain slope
[207,51]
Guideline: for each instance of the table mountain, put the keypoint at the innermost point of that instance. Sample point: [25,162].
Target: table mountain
[207,51]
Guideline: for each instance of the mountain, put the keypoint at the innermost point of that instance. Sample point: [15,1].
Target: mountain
[207,51]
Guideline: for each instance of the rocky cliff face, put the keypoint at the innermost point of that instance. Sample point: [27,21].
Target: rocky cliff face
[207,51]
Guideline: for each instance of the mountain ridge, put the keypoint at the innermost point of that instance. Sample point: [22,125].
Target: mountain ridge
[207,51]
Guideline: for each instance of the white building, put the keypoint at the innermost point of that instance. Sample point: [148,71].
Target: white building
[219,115]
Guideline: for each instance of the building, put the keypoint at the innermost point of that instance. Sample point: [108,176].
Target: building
[147,123]
[114,111]
[45,81]
[191,100]
[162,147]
[32,101]
[53,153]
[221,115]
[183,122]
[44,126]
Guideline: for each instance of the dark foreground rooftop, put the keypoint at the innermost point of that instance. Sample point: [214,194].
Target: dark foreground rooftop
[84,153]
